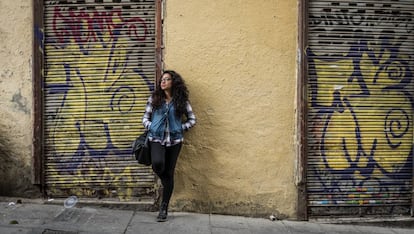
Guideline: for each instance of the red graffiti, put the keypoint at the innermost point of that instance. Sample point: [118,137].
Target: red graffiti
[96,26]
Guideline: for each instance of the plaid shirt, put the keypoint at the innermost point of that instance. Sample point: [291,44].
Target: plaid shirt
[189,123]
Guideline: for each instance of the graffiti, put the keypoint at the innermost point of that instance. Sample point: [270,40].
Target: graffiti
[38,35]
[376,23]
[82,26]
[360,90]
[95,91]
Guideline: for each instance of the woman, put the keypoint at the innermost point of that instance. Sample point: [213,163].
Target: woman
[163,118]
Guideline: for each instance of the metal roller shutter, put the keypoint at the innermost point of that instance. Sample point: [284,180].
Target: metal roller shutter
[360,107]
[99,72]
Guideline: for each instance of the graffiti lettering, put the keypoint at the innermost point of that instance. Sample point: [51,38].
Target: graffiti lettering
[87,27]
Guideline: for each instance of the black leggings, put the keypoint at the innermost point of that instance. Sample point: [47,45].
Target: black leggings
[163,163]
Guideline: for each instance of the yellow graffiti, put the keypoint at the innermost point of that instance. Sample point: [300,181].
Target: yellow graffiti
[360,128]
[94,102]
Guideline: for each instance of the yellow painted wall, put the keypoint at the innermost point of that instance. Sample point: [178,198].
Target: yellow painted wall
[239,61]
[16,98]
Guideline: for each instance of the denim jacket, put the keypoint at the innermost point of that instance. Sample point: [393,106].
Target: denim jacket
[164,120]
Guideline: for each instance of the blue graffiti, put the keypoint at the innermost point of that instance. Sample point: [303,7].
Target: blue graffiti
[122,100]
[39,36]
[397,121]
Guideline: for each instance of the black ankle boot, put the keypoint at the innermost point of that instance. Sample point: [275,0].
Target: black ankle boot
[162,216]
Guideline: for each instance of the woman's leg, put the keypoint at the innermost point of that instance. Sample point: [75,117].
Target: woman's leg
[164,160]
[167,177]
[157,158]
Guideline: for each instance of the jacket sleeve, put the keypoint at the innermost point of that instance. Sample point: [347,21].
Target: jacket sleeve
[146,119]
[191,118]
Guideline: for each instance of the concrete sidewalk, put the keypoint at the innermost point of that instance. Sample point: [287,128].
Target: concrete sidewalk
[48,219]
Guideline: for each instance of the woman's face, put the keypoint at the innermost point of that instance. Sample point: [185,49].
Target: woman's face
[166,82]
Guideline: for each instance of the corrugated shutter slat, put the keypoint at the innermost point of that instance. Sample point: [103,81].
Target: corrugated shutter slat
[99,72]
[360,107]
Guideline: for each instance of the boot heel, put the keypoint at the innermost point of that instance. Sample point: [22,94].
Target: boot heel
[162,215]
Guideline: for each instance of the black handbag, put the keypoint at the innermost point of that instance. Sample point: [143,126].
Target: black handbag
[141,149]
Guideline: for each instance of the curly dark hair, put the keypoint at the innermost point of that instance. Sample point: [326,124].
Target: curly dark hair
[179,93]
